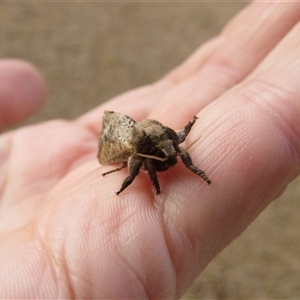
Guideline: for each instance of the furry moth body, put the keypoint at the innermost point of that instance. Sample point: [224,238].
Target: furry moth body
[147,145]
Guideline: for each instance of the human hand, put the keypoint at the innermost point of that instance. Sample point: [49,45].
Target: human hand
[64,232]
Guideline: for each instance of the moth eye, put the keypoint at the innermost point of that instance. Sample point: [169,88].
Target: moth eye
[163,155]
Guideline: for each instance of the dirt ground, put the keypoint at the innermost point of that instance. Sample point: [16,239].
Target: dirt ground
[92,51]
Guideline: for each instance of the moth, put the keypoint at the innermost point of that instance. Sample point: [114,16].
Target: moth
[146,145]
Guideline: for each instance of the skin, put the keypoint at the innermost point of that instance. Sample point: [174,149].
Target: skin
[63,231]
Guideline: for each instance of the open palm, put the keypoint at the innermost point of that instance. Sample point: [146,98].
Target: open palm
[63,231]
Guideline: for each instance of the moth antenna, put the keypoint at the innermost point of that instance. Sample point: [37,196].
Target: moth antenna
[193,143]
[152,156]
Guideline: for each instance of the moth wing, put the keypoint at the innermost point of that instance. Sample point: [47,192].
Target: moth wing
[114,140]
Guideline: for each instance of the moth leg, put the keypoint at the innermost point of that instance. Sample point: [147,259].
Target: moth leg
[123,165]
[183,133]
[186,159]
[148,165]
[134,165]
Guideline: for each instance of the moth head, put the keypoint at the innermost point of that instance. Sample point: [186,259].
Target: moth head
[167,148]
[164,150]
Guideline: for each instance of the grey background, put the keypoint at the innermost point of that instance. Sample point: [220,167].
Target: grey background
[92,51]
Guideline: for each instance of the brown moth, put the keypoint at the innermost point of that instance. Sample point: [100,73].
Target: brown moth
[147,145]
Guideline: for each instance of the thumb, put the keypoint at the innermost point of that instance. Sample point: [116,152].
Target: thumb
[22,91]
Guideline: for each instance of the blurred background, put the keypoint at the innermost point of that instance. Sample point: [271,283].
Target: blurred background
[90,52]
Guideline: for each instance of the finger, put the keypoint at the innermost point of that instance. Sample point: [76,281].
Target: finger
[22,91]
[242,45]
[250,149]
